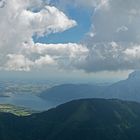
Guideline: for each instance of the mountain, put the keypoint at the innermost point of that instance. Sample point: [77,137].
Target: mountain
[128,89]
[67,92]
[85,119]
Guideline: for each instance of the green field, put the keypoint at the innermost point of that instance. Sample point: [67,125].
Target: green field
[19,111]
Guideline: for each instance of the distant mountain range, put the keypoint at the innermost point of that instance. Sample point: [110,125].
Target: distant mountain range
[86,119]
[128,89]
[67,92]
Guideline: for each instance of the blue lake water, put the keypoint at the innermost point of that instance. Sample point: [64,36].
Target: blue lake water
[27,100]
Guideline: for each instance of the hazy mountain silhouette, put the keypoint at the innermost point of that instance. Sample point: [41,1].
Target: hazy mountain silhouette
[128,89]
[67,92]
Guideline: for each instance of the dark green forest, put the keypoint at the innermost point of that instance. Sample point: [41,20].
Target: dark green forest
[87,119]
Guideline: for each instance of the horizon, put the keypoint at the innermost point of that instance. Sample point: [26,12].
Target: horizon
[96,78]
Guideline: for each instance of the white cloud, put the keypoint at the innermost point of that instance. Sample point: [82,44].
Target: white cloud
[43,61]
[18,62]
[114,39]
[20,21]
[112,56]
[133,52]
[37,55]
[112,43]
[118,23]
[63,56]
[69,50]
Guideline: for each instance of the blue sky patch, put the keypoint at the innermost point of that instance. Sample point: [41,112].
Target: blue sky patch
[75,34]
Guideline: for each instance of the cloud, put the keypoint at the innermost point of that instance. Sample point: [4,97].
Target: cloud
[111,57]
[117,17]
[114,38]
[118,23]
[18,63]
[133,53]
[44,61]
[66,56]
[81,3]
[20,21]
[112,43]
[37,55]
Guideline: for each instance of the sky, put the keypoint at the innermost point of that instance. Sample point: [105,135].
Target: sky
[81,40]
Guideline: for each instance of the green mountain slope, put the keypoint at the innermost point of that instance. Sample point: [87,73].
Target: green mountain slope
[91,119]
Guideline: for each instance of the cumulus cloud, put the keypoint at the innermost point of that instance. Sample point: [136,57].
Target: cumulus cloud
[118,17]
[62,56]
[111,56]
[37,55]
[18,62]
[112,43]
[114,38]
[119,23]
[65,55]
[20,21]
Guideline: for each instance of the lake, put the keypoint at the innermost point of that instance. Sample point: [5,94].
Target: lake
[27,100]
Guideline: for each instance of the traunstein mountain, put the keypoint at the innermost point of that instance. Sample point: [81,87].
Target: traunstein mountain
[128,89]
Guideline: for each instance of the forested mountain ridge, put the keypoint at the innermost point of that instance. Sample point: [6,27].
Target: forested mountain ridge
[85,119]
